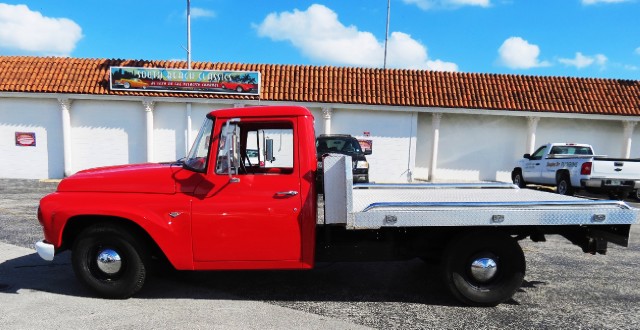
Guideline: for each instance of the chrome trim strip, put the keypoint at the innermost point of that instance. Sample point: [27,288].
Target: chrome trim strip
[619,204]
[485,185]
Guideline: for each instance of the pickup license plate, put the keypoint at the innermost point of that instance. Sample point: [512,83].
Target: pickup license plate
[615,182]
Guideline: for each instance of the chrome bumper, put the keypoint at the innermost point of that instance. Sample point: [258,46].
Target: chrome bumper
[610,183]
[45,250]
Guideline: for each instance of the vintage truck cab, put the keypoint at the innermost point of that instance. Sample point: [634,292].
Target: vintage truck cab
[210,211]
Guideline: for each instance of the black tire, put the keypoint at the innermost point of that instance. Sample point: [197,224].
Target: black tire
[518,180]
[563,185]
[130,272]
[508,271]
[617,195]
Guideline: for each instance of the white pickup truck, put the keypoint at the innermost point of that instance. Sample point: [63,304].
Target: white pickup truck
[571,167]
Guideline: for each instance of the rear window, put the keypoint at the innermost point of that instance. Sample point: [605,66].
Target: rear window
[571,150]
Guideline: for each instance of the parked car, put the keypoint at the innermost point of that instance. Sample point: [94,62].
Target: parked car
[347,145]
[132,83]
[238,87]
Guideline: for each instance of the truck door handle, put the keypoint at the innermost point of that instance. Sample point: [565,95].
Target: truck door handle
[286,193]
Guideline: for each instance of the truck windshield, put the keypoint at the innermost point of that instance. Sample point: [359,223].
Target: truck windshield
[199,154]
[338,145]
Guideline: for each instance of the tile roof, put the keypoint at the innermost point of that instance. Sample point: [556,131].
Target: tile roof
[328,84]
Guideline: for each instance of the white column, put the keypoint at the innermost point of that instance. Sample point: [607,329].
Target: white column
[628,133]
[326,114]
[189,127]
[532,127]
[148,108]
[435,142]
[65,107]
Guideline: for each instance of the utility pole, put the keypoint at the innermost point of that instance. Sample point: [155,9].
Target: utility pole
[188,34]
[188,114]
[386,34]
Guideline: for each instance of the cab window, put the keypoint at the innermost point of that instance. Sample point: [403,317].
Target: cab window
[539,153]
[255,148]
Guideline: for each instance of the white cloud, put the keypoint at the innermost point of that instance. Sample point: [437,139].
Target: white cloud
[318,34]
[25,30]
[437,4]
[583,61]
[200,13]
[594,2]
[637,50]
[517,53]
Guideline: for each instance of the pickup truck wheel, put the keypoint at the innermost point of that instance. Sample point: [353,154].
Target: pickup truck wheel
[518,180]
[483,268]
[563,186]
[109,260]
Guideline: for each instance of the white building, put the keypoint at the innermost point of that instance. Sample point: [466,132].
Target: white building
[422,124]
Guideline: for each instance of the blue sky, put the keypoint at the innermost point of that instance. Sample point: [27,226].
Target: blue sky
[576,38]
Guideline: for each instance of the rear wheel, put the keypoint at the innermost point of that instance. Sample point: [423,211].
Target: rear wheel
[483,268]
[110,261]
[563,185]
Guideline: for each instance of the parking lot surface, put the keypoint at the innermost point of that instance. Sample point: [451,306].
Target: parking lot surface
[563,288]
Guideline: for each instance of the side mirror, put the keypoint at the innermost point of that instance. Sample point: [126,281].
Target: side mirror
[368,151]
[269,149]
[527,156]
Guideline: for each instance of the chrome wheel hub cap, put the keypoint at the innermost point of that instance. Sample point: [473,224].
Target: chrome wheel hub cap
[484,269]
[109,261]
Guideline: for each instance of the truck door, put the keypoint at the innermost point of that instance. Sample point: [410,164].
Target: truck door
[249,212]
[533,167]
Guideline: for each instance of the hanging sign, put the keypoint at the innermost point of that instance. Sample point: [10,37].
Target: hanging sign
[25,139]
[183,80]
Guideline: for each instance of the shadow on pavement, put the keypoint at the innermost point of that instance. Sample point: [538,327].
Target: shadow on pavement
[410,282]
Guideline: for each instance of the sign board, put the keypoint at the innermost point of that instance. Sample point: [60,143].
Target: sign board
[25,139]
[366,145]
[183,80]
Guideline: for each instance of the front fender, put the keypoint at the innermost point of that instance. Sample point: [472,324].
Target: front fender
[166,218]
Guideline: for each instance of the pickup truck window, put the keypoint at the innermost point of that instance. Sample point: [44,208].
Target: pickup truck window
[255,148]
[539,153]
[571,150]
[196,160]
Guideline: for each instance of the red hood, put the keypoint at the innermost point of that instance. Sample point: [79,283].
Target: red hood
[140,178]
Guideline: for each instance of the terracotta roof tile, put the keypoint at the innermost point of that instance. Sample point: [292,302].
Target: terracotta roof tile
[303,83]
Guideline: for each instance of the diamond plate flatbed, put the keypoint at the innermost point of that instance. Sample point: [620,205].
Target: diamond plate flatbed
[373,206]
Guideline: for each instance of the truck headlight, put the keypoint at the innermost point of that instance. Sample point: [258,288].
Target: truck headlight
[362,164]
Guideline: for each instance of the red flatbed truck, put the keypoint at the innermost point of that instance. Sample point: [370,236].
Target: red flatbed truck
[216,211]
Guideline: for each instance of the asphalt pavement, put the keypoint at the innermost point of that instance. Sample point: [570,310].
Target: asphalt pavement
[563,288]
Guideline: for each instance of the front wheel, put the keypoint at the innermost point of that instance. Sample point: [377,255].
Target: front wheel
[518,180]
[110,261]
[483,268]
